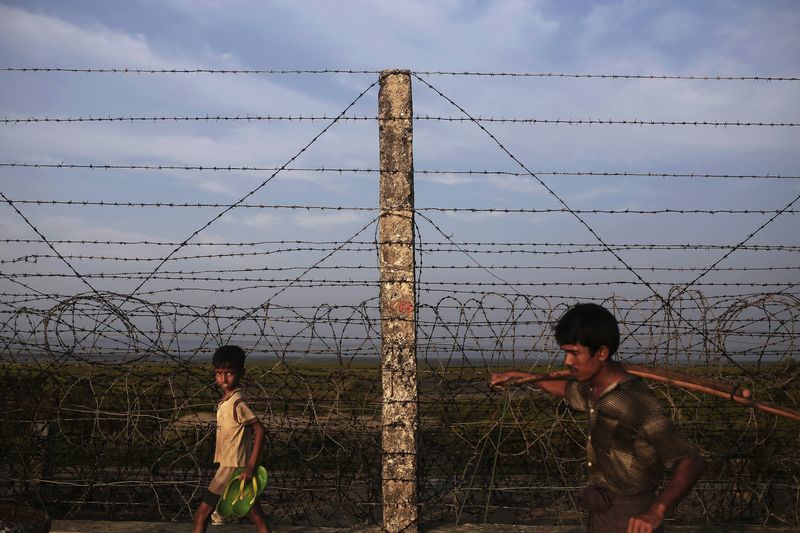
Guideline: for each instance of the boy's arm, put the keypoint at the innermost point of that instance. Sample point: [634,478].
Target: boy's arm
[258,440]
[555,386]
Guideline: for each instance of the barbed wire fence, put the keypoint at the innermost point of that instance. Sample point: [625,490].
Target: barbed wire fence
[107,395]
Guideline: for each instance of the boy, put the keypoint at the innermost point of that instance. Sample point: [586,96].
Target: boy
[239,437]
[630,442]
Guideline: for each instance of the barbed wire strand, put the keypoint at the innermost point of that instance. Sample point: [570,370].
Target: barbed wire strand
[261,185]
[364,118]
[356,170]
[133,70]
[666,302]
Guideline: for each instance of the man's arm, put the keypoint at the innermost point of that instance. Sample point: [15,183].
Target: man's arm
[557,387]
[687,471]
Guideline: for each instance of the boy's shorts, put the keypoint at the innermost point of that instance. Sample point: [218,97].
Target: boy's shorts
[218,484]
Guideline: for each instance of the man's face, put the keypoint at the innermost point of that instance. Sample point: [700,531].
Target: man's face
[582,365]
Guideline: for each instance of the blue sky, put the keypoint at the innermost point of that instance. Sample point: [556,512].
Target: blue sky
[713,38]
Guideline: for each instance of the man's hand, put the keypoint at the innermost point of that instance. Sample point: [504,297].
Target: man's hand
[501,379]
[247,475]
[687,470]
[646,522]
[557,386]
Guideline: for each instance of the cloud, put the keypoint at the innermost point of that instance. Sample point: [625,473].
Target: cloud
[520,184]
[47,40]
[124,144]
[447,179]
[592,196]
[325,220]
[274,223]
[473,217]
[39,39]
[372,34]
[261,221]
[725,37]
[12,226]
[58,227]
[120,144]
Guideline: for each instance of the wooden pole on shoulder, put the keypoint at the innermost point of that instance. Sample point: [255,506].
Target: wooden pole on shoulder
[685,381]
[399,417]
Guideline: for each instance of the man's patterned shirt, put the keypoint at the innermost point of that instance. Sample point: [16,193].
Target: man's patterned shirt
[630,442]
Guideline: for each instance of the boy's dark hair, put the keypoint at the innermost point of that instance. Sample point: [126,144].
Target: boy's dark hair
[588,324]
[229,356]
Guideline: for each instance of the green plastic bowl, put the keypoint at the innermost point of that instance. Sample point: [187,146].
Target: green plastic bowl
[238,498]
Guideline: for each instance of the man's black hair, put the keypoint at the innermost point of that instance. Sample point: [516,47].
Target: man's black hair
[228,356]
[588,324]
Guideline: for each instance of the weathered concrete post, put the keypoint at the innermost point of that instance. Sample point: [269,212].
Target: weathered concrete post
[398,323]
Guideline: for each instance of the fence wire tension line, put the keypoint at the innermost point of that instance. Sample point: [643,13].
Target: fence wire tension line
[372,382]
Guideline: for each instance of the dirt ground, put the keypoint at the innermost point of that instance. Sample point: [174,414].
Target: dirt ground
[86,526]
[79,526]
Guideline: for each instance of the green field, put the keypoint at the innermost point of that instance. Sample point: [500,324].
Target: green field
[136,441]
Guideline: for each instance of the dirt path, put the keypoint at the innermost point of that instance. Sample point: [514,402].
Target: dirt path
[88,526]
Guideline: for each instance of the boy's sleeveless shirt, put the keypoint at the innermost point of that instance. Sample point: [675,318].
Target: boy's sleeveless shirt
[234,435]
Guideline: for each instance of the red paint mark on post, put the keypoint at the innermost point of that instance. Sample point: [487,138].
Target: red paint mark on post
[405,306]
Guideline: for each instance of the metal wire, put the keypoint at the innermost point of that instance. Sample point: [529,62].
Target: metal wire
[120,346]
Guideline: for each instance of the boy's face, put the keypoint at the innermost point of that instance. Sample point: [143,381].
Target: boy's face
[227,379]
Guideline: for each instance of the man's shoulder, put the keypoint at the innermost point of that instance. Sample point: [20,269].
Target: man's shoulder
[633,384]
[577,395]
[580,387]
[630,398]
[635,389]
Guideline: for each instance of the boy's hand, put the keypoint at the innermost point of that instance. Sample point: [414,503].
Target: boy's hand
[247,475]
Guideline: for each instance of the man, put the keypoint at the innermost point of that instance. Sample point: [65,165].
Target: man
[630,443]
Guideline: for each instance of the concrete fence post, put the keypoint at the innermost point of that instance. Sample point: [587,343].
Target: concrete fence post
[397,303]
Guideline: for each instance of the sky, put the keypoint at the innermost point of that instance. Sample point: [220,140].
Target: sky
[530,165]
